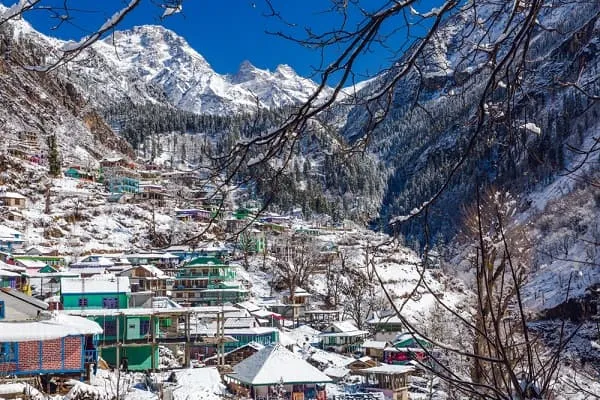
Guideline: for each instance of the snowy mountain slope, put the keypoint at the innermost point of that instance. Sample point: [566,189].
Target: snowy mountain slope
[420,146]
[44,104]
[152,63]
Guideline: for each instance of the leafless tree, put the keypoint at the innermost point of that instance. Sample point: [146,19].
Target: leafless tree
[506,359]
[296,271]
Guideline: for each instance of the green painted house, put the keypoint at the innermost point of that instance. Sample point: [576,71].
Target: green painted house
[207,281]
[133,331]
[78,173]
[105,300]
[95,292]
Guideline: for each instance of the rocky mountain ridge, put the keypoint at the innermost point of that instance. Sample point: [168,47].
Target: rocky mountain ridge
[152,63]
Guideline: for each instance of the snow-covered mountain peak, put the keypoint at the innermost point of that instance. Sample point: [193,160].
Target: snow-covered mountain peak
[151,63]
[248,72]
[155,56]
[286,71]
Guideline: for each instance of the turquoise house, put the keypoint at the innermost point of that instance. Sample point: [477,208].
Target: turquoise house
[105,300]
[95,292]
[207,281]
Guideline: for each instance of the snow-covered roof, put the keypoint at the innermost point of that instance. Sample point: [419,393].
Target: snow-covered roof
[248,305]
[343,328]
[328,358]
[274,364]
[285,339]
[298,292]
[248,322]
[306,330]
[6,231]
[91,261]
[161,256]
[336,372]
[99,284]
[254,345]
[11,267]
[11,195]
[401,337]
[388,369]
[8,274]
[42,305]
[31,264]
[264,314]
[374,344]
[59,326]
[199,383]
[153,270]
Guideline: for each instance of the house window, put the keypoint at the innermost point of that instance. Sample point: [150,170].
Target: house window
[2,310]
[110,302]
[83,302]
[144,327]
[8,352]
[110,328]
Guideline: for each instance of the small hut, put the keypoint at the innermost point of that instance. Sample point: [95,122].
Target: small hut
[391,380]
[273,370]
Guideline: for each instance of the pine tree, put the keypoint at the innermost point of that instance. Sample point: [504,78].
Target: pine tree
[53,156]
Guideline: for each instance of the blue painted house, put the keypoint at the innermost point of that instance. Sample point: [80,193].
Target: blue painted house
[10,239]
[36,342]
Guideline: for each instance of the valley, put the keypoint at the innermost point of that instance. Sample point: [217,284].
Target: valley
[437,223]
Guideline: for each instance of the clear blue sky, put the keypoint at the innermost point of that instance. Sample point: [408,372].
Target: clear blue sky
[226,32]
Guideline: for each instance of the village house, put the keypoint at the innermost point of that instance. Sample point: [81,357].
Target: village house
[207,281]
[13,199]
[148,278]
[234,225]
[162,261]
[386,325]
[390,380]
[237,355]
[406,348]
[10,239]
[104,291]
[151,192]
[9,279]
[31,266]
[93,264]
[193,214]
[298,301]
[119,175]
[243,330]
[78,172]
[46,284]
[44,254]
[35,342]
[252,241]
[320,318]
[289,306]
[105,300]
[375,348]
[130,330]
[343,337]
[274,369]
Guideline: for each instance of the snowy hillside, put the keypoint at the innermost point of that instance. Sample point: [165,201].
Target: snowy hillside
[152,63]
